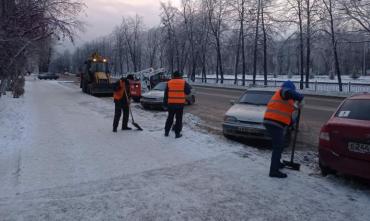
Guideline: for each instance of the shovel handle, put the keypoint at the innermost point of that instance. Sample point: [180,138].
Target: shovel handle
[295,135]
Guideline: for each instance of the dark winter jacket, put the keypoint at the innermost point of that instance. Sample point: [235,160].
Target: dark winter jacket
[115,87]
[289,91]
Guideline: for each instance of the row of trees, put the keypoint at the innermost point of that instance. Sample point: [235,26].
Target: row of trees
[241,37]
[28,30]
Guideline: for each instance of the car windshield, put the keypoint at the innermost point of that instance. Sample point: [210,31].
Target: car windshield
[355,109]
[256,97]
[160,87]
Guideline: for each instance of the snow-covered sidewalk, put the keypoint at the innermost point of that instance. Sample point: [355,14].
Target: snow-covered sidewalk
[59,160]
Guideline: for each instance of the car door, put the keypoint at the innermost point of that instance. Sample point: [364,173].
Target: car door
[350,129]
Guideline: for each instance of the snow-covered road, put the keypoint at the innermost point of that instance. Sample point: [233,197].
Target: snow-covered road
[59,160]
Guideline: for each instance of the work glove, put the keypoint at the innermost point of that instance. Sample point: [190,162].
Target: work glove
[298,105]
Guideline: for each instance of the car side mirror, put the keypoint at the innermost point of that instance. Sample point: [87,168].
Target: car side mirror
[232,102]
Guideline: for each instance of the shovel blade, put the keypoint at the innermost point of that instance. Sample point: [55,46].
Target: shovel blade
[292,165]
[137,126]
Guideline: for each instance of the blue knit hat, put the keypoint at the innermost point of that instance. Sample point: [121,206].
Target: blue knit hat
[289,85]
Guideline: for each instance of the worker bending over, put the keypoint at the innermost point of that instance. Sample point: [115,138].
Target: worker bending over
[277,119]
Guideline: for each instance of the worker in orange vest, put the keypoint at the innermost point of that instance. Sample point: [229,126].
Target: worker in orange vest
[277,119]
[122,99]
[175,99]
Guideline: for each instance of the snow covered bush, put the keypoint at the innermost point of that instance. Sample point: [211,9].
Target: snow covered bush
[354,74]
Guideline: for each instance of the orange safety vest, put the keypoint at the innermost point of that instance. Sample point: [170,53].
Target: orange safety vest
[280,110]
[176,91]
[118,94]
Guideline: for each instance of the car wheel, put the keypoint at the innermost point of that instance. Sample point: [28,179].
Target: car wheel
[136,99]
[228,136]
[325,170]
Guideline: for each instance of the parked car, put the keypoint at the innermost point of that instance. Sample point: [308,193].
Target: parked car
[245,118]
[154,98]
[344,144]
[47,75]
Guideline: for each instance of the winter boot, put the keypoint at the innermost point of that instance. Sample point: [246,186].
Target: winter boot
[278,174]
[281,166]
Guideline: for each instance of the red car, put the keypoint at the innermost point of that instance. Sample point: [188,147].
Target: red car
[344,144]
[135,90]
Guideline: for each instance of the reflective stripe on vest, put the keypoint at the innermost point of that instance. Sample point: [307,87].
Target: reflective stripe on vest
[118,95]
[176,91]
[279,109]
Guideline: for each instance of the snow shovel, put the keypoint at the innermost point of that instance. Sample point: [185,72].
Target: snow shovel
[291,164]
[132,116]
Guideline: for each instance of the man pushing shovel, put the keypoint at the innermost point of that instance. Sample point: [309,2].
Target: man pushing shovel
[277,119]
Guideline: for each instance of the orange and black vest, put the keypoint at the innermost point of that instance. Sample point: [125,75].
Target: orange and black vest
[118,94]
[176,91]
[280,110]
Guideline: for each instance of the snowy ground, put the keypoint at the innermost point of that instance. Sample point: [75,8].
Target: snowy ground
[59,160]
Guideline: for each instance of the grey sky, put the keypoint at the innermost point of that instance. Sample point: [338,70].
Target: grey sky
[101,16]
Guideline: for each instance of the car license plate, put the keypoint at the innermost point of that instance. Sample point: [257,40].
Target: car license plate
[245,130]
[359,147]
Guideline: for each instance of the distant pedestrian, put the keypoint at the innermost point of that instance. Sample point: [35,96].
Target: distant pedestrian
[277,119]
[122,99]
[175,99]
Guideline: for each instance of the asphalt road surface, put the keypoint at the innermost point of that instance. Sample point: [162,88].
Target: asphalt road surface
[316,112]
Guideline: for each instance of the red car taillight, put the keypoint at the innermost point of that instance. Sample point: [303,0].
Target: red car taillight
[324,138]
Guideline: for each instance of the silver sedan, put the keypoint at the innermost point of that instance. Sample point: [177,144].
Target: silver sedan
[245,118]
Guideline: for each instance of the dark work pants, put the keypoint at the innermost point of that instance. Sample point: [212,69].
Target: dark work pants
[119,108]
[178,125]
[278,136]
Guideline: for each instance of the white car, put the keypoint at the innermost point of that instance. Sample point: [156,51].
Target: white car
[245,118]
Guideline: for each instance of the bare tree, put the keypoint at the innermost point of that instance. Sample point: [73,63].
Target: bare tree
[256,39]
[330,9]
[131,29]
[216,11]
[25,23]
[358,11]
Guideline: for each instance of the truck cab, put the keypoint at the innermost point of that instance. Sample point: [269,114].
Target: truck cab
[96,78]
